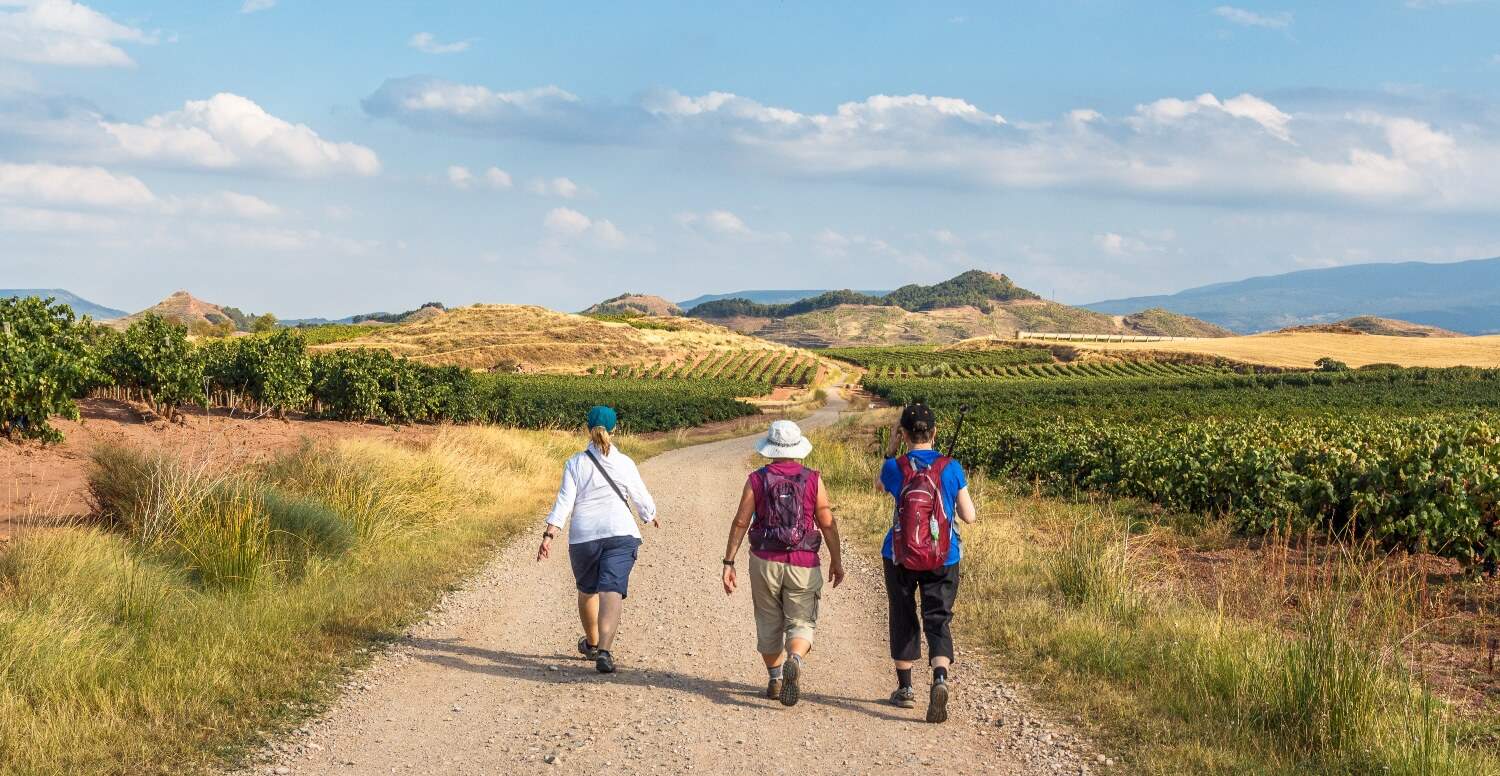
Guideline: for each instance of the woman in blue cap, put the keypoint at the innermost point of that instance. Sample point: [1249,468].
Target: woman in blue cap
[599,487]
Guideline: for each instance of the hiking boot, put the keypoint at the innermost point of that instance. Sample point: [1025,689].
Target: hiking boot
[588,652]
[791,671]
[773,688]
[937,703]
[604,662]
[904,698]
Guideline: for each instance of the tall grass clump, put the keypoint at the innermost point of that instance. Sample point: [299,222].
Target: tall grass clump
[205,605]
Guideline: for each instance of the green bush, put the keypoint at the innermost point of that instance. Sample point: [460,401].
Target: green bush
[44,365]
[155,357]
[274,371]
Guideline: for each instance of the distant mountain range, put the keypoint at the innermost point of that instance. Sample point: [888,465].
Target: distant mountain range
[80,305]
[1461,296]
[767,296]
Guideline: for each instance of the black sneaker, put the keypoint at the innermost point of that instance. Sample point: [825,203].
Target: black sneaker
[773,688]
[904,698]
[588,652]
[604,662]
[791,671]
[937,703]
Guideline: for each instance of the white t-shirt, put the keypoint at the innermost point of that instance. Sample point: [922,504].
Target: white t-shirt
[597,511]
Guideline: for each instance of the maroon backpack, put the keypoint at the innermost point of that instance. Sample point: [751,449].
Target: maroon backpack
[782,521]
[922,531]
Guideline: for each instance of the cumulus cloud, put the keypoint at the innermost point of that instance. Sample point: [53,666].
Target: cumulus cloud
[256,6]
[60,185]
[725,224]
[569,223]
[554,187]
[463,178]
[232,204]
[426,43]
[1244,18]
[62,32]
[1240,149]
[228,131]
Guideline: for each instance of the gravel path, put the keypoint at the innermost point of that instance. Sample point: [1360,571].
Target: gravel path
[490,684]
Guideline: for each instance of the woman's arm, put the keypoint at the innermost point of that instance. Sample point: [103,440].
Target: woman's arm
[829,525]
[562,509]
[737,530]
[645,506]
[966,511]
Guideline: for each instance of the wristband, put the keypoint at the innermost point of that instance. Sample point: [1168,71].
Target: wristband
[729,562]
[546,535]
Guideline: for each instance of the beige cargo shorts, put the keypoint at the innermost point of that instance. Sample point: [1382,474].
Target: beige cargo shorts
[786,603]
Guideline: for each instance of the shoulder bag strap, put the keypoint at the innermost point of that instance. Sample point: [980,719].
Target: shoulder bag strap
[609,479]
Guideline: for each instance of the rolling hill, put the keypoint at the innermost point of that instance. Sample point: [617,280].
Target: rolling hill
[80,305]
[634,304]
[766,296]
[1460,296]
[973,304]
[1370,324]
[535,339]
[186,309]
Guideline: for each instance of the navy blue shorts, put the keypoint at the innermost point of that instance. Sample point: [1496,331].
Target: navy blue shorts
[603,565]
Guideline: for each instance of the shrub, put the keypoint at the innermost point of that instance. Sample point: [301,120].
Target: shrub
[1326,364]
[44,364]
[155,357]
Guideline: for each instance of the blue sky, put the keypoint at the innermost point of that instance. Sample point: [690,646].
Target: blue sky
[326,158]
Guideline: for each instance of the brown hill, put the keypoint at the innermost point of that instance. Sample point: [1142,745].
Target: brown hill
[185,309]
[635,304]
[860,325]
[536,339]
[1371,324]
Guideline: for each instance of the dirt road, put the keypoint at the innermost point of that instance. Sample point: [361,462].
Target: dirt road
[491,684]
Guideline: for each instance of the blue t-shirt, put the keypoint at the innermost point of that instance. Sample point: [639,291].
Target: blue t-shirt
[953,482]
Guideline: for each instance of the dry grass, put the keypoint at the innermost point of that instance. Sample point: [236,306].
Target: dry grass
[1303,349]
[542,340]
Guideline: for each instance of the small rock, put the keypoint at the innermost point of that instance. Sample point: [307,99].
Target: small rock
[549,759]
[282,770]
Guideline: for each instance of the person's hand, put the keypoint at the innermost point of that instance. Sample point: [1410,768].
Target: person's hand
[656,521]
[729,580]
[544,551]
[836,570]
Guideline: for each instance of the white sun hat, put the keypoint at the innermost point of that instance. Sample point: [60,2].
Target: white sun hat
[784,440]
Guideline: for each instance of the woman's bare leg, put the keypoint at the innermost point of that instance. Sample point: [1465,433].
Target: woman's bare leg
[588,614]
[610,606]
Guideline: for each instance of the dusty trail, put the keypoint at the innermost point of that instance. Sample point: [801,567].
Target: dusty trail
[491,685]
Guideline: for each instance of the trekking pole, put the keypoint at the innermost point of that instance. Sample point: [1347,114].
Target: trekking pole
[958,429]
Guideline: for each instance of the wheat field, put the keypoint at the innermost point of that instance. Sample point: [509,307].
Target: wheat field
[1302,349]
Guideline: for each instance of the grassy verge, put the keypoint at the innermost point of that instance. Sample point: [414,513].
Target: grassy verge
[1080,599]
[216,606]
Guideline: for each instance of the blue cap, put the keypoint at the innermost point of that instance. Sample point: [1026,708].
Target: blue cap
[602,416]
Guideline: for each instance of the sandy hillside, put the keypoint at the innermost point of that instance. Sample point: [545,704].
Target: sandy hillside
[636,304]
[183,308]
[1374,324]
[1303,349]
[542,340]
[857,325]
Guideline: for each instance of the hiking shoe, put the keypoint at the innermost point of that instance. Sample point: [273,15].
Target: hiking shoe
[773,688]
[904,698]
[791,671]
[937,703]
[604,662]
[588,652]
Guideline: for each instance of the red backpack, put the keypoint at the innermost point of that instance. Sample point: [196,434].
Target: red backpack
[781,522]
[922,531]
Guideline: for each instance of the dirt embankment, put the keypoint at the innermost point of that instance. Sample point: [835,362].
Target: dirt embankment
[45,484]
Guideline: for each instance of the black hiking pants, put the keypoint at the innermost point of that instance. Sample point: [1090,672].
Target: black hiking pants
[936,589]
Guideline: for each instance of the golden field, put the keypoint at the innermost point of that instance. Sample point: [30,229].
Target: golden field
[1303,349]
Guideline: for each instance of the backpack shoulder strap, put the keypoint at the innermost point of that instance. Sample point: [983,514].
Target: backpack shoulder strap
[904,463]
[939,465]
[608,479]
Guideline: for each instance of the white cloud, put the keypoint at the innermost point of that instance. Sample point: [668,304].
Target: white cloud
[555,187]
[569,223]
[59,185]
[62,32]
[234,204]
[460,177]
[1244,18]
[427,44]
[1238,150]
[463,178]
[228,131]
[566,220]
[66,222]
[255,6]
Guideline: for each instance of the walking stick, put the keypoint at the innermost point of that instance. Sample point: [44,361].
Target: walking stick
[958,429]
